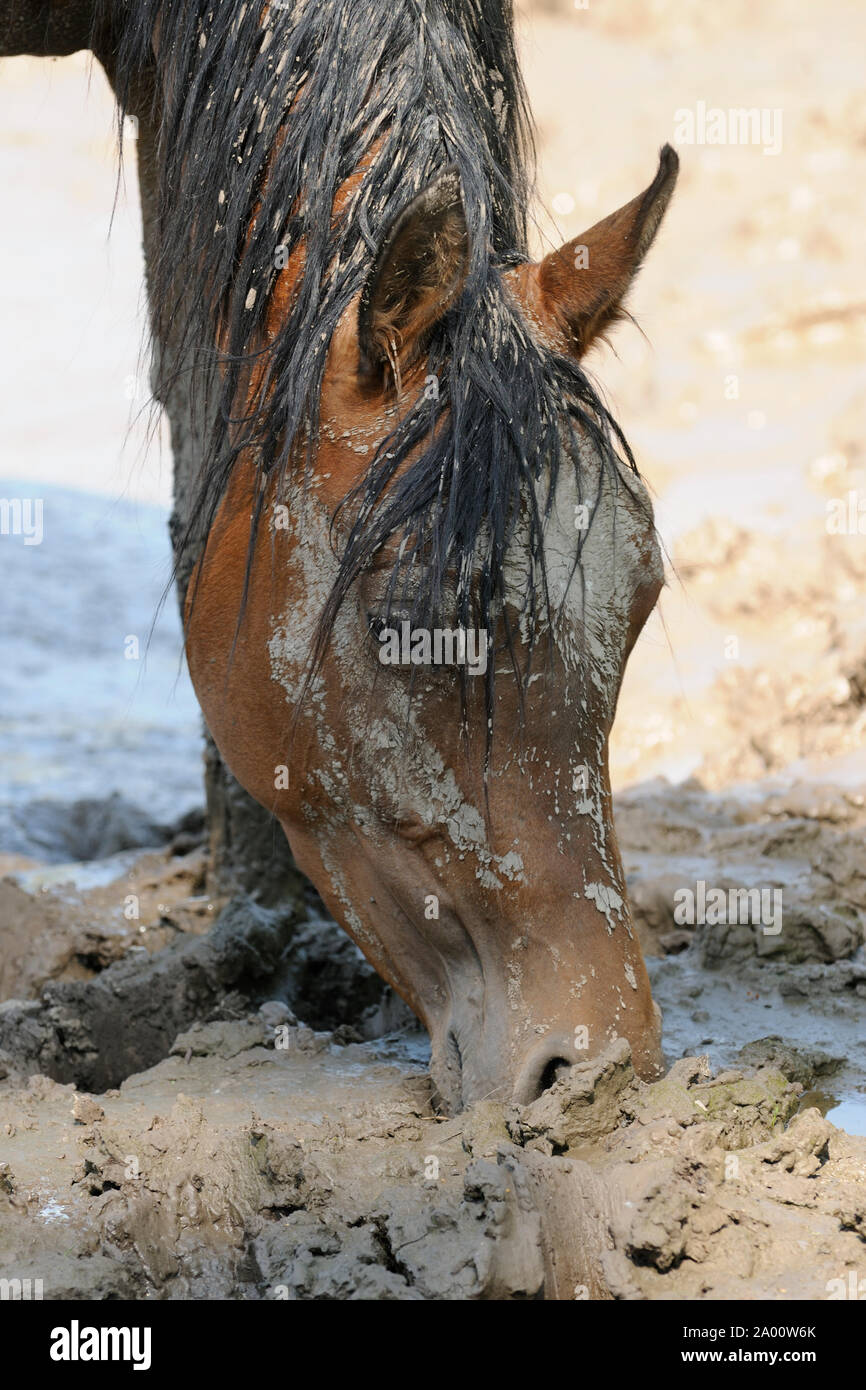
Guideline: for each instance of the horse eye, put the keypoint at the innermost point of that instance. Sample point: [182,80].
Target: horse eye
[378,619]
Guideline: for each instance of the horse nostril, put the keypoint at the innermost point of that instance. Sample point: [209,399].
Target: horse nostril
[553,1071]
[541,1069]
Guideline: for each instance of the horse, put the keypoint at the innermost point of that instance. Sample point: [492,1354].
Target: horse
[402,450]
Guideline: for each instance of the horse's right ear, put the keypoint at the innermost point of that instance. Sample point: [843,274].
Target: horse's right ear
[583,285]
[418,274]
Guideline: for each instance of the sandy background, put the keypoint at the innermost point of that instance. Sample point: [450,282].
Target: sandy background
[758,275]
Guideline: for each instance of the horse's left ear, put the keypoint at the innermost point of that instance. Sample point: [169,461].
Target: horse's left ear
[584,283]
[419,272]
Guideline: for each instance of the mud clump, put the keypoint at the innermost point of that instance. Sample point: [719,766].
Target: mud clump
[92,828]
[602,1098]
[335,985]
[98,1032]
[799,854]
[583,1106]
[798,1063]
[742,1109]
[69,922]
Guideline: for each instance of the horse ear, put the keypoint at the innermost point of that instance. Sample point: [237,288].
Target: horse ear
[419,272]
[584,283]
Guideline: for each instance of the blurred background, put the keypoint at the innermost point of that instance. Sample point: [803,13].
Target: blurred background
[84,712]
[746,400]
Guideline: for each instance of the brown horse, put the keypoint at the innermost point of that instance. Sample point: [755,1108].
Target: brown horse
[401,432]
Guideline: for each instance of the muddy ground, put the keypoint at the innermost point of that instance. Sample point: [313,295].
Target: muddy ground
[240,1110]
[202,1100]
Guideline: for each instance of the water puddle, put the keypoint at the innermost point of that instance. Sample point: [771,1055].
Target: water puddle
[847,1113]
[79,877]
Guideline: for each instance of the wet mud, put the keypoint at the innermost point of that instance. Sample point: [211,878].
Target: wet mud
[222,1100]
[256,1156]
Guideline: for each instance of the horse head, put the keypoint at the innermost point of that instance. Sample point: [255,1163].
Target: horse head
[428,715]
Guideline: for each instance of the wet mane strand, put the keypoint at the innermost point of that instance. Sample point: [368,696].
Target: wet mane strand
[411,87]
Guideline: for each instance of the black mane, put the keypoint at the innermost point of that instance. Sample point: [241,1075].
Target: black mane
[435,83]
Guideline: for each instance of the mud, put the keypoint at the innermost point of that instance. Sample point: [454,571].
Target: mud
[261,1157]
[237,1169]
